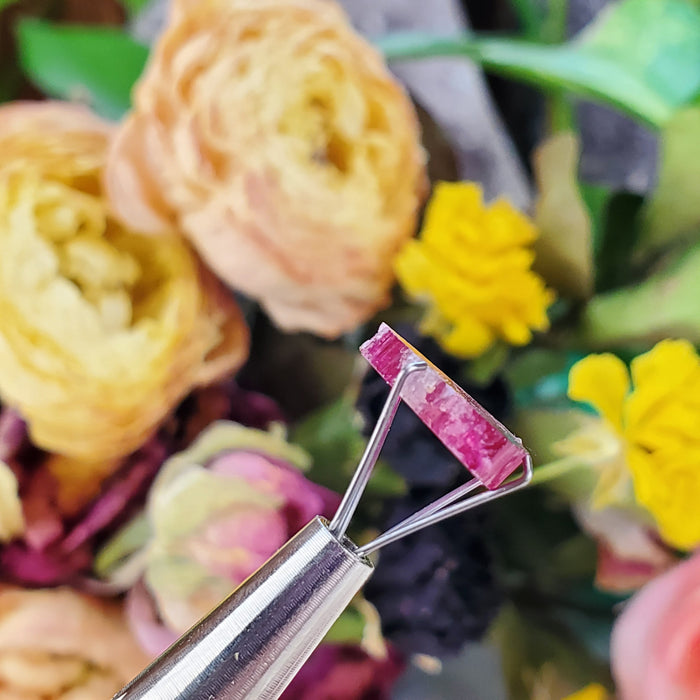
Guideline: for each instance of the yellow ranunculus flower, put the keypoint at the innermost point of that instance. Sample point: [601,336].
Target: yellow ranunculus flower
[655,420]
[102,330]
[472,268]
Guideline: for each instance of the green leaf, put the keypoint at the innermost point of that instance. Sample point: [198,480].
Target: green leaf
[674,209]
[664,305]
[596,198]
[385,482]
[531,17]
[483,369]
[132,537]
[333,437]
[6,3]
[564,248]
[641,56]
[540,376]
[532,642]
[348,628]
[97,64]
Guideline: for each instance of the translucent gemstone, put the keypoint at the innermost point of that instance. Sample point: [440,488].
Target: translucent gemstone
[484,446]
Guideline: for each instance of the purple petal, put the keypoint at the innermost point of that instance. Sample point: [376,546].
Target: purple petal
[44,524]
[42,568]
[345,672]
[132,480]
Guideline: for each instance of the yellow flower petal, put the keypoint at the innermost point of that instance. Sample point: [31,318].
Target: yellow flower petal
[594,691]
[671,366]
[657,428]
[672,359]
[468,337]
[11,517]
[667,484]
[603,382]
[471,268]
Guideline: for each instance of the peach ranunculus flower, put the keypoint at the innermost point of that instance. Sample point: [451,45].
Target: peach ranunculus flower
[102,330]
[656,640]
[278,141]
[57,644]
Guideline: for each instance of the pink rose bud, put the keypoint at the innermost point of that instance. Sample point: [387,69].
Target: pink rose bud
[216,512]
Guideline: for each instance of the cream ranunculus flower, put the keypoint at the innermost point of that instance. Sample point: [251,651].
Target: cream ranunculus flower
[276,138]
[61,645]
[102,330]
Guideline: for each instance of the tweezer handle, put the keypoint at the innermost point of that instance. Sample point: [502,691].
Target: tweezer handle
[254,643]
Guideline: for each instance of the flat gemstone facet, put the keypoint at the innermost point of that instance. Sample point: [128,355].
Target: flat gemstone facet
[482,444]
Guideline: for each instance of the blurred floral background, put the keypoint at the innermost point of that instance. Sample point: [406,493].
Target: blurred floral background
[207,205]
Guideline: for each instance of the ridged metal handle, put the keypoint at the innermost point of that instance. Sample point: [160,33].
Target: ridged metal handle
[254,643]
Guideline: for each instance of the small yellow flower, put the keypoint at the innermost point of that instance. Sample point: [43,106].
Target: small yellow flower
[472,268]
[654,419]
[595,691]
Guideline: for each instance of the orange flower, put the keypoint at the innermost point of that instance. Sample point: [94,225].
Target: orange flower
[102,330]
[276,138]
[61,645]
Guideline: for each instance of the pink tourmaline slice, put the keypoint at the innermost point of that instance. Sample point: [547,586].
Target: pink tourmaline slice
[484,446]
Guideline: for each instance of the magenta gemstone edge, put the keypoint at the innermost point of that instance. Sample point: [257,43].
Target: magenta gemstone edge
[480,442]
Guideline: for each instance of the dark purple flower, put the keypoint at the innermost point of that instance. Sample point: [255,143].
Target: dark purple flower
[435,590]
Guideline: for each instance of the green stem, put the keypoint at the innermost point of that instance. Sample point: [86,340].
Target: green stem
[554,470]
[554,26]
[529,17]
[560,112]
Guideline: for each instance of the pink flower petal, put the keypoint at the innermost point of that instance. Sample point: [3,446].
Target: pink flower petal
[655,642]
[153,636]
[43,568]
[13,433]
